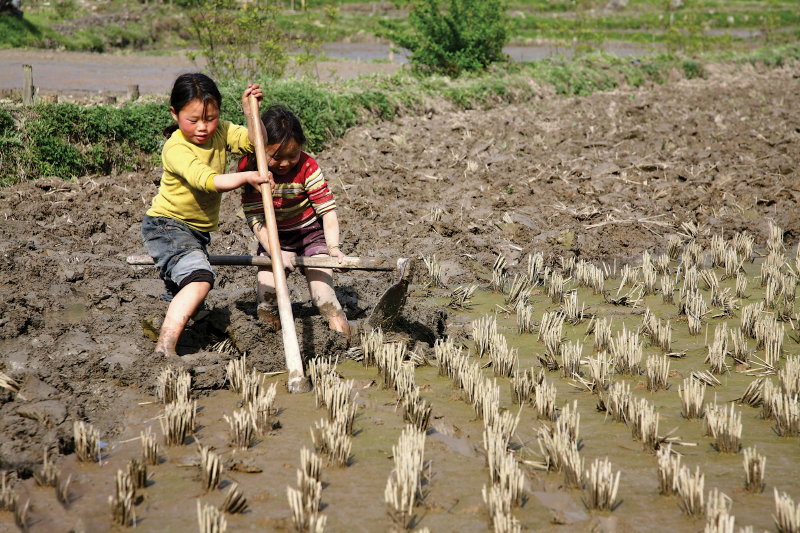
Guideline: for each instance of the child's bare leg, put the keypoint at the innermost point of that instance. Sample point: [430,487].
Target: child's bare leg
[320,285]
[181,309]
[267,300]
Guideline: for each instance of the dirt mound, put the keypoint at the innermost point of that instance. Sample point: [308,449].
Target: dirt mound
[603,178]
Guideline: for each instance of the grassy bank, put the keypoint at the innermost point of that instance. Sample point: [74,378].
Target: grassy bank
[67,140]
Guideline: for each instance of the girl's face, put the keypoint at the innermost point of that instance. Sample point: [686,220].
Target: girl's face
[197,121]
[283,158]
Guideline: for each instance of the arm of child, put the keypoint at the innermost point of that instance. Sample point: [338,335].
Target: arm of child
[229,182]
[255,90]
[261,233]
[330,226]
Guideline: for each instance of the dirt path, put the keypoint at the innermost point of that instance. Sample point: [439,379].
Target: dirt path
[77,73]
[602,178]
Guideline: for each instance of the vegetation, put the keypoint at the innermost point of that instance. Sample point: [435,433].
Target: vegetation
[239,43]
[697,25]
[67,140]
[464,35]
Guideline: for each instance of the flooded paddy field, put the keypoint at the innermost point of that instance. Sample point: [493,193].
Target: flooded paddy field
[700,175]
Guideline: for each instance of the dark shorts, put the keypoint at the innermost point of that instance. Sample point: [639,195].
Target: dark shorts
[178,251]
[304,242]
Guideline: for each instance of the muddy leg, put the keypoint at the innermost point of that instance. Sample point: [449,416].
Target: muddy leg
[320,285]
[181,308]
[267,300]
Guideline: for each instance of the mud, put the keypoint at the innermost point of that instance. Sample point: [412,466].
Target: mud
[602,178]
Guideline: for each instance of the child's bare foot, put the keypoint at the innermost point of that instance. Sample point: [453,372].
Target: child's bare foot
[338,322]
[165,352]
[269,317]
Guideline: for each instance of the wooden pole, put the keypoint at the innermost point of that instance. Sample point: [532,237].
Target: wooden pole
[297,382]
[27,85]
[348,263]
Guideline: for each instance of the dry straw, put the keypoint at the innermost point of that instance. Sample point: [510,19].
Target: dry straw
[740,352]
[504,359]
[789,376]
[692,393]
[121,503]
[461,296]
[434,269]
[674,244]
[235,373]
[657,372]
[535,270]
[690,491]
[786,411]
[372,346]
[87,442]
[416,411]
[499,273]
[545,401]
[787,513]
[644,423]
[718,508]
[47,476]
[149,447]
[725,425]
[519,291]
[62,491]
[754,469]
[571,359]
[173,385]
[617,401]
[209,519]
[601,486]
[599,372]
[262,410]
[523,385]
[137,470]
[556,285]
[241,428]
[404,485]
[177,422]
[717,350]
[234,501]
[8,497]
[627,350]
[573,313]
[669,466]
[9,383]
[304,504]
[525,322]
[483,329]
[21,515]
[741,284]
[332,441]
[743,243]
[602,333]
[550,332]
[210,468]
[753,394]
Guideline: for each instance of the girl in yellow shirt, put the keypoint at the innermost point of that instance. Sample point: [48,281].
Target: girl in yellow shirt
[176,229]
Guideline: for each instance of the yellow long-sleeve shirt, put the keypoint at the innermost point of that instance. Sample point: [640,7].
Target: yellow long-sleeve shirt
[187,191]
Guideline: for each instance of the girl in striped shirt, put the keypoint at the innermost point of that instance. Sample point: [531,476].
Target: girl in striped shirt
[305,212]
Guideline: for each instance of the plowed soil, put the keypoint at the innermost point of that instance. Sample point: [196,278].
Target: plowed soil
[603,178]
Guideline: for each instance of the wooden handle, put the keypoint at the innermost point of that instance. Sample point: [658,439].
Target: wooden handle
[291,348]
[348,263]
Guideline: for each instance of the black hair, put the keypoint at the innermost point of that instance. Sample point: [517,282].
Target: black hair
[282,125]
[189,87]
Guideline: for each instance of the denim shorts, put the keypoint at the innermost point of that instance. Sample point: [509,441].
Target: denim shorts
[177,250]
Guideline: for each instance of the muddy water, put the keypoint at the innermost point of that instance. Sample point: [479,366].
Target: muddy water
[353,495]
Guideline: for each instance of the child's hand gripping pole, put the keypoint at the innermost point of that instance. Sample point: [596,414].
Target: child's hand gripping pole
[298,382]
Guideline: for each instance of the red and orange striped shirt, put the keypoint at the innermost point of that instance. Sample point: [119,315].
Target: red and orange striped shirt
[299,197]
